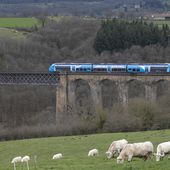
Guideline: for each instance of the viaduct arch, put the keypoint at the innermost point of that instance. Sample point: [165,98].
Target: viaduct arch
[85,94]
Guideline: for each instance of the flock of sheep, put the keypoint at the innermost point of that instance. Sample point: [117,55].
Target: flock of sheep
[20,159]
[125,150]
[26,159]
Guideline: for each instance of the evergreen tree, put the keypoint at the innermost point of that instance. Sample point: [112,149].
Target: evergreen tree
[116,35]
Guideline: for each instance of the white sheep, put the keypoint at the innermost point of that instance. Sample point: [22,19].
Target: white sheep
[57,156]
[143,149]
[116,147]
[162,150]
[93,152]
[15,160]
[26,159]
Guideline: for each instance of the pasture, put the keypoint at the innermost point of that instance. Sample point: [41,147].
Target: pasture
[75,150]
[11,33]
[17,22]
[160,22]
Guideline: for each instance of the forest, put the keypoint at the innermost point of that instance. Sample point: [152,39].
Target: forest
[117,35]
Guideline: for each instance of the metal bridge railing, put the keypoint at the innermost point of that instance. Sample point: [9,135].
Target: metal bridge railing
[28,78]
[7,78]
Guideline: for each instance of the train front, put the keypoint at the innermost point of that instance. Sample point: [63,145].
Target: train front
[52,68]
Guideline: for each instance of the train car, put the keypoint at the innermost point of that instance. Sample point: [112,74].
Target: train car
[158,68]
[72,67]
[111,68]
[87,67]
[148,68]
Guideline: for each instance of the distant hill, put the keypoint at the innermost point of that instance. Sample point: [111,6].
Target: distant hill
[55,1]
[42,1]
[94,8]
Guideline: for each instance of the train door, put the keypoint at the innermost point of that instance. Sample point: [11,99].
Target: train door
[109,69]
[146,69]
[89,69]
[73,68]
[168,70]
[132,69]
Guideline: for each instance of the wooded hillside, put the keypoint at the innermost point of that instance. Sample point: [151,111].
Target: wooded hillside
[70,39]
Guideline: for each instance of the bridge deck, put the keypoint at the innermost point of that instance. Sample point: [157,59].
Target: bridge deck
[33,78]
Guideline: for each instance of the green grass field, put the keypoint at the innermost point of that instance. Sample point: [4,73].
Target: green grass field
[75,150]
[11,33]
[17,22]
[7,23]
[161,22]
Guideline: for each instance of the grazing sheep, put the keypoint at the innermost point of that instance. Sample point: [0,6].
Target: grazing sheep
[15,160]
[57,156]
[26,159]
[144,150]
[116,147]
[162,149]
[93,152]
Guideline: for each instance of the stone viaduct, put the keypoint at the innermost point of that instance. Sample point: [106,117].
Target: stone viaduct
[84,94]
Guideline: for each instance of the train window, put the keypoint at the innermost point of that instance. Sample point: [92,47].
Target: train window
[138,69]
[158,69]
[118,69]
[133,69]
[64,68]
[98,69]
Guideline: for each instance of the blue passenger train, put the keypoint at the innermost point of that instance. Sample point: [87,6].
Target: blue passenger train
[110,68]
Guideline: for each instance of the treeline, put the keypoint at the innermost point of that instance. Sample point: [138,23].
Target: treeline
[41,1]
[117,35]
[54,8]
[155,4]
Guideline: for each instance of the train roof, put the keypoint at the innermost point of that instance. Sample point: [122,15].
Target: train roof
[113,63]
